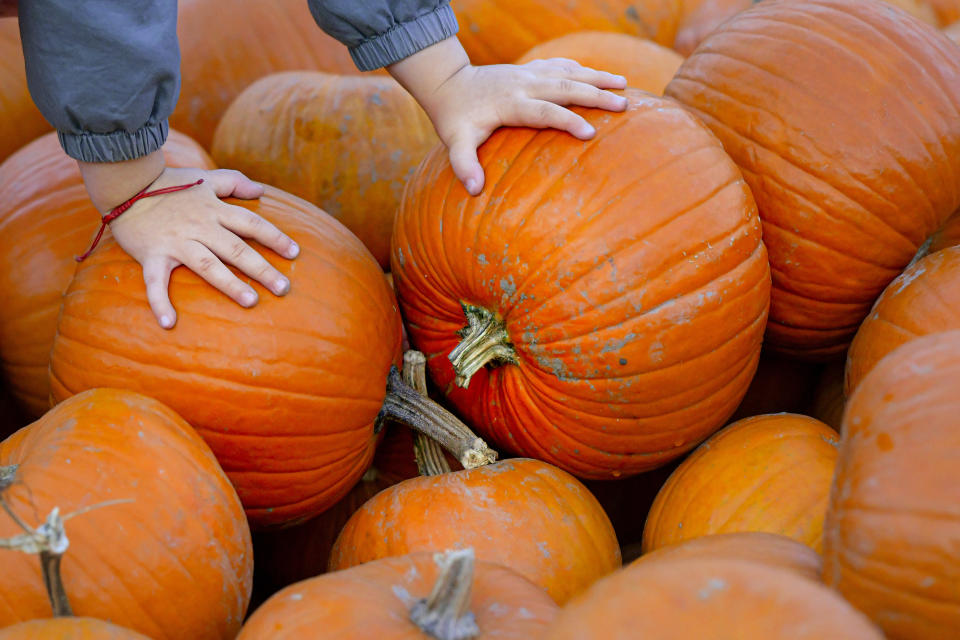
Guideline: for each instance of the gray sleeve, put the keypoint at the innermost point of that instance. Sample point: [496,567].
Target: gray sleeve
[105,73]
[381,32]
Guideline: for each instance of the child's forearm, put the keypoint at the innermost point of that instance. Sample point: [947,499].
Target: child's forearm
[423,73]
[112,183]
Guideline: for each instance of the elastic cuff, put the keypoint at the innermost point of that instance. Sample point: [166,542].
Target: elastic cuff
[405,39]
[116,146]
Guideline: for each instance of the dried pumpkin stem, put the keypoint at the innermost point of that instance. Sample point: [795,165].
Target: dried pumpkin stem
[49,540]
[485,341]
[921,252]
[428,452]
[7,474]
[404,405]
[445,614]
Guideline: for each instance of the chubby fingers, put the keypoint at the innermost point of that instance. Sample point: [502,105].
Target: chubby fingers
[247,224]
[571,92]
[156,276]
[232,249]
[572,70]
[464,162]
[208,266]
[227,182]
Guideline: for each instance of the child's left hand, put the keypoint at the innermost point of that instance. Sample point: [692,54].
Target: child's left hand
[467,103]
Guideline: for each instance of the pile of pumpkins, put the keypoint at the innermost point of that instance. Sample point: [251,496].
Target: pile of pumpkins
[718,343]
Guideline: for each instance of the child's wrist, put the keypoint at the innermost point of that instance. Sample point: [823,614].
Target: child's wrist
[423,73]
[110,184]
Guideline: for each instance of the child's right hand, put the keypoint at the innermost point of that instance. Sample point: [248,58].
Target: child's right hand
[195,228]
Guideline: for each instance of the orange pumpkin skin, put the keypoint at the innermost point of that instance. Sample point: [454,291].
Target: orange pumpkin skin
[252,39]
[285,393]
[373,601]
[842,214]
[692,599]
[22,121]
[892,526]
[497,31]
[769,549]
[68,629]
[521,513]
[948,11]
[645,64]
[46,218]
[172,559]
[605,278]
[924,299]
[703,20]
[949,233]
[767,473]
[347,144]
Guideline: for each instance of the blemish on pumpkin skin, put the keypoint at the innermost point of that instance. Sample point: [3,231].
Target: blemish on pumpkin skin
[713,585]
[885,442]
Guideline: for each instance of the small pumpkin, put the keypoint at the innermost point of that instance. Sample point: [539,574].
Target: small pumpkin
[498,31]
[161,546]
[692,599]
[22,121]
[645,64]
[767,473]
[893,525]
[443,596]
[286,393]
[769,549]
[347,144]
[564,312]
[46,218]
[841,214]
[68,629]
[924,299]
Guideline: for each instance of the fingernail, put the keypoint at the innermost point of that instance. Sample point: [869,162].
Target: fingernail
[294,250]
[281,286]
[248,298]
[589,130]
[166,322]
[471,186]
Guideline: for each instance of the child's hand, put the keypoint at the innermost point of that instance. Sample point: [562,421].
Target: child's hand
[466,103]
[195,228]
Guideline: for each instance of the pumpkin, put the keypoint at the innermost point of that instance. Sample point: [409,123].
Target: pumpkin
[286,392]
[948,11]
[223,51]
[842,214]
[769,549]
[780,385]
[921,9]
[924,299]
[46,218]
[573,294]
[285,556]
[445,597]
[767,473]
[162,548]
[828,398]
[347,144]
[893,524]
[691,599]
[496,31]
[703,20]
[68,629]
[949,234]
[645,64]
[22,121]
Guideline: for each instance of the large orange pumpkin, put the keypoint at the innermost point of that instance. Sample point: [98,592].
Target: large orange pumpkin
[645,64]
[619,305]
[703,20]
[496,31]
[769,549]
[767,473]
[893,525]
[848,132]
[924,299]
[693,599]
[387,600]
[347,144]
[46,218]
[286,393]
[521,513]
[164,548]
[21,121]
[68,629]
[225,48]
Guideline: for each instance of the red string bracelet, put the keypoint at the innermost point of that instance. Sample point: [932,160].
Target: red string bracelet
[117,211]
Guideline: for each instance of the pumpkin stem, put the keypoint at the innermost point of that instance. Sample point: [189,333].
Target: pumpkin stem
[49,540]
[445,614]
[921,252]
[422,414]
[429,454]
[485,341]
[7,473]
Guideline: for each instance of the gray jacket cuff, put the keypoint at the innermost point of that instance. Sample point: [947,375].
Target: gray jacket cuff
[405,39]
[116,146]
